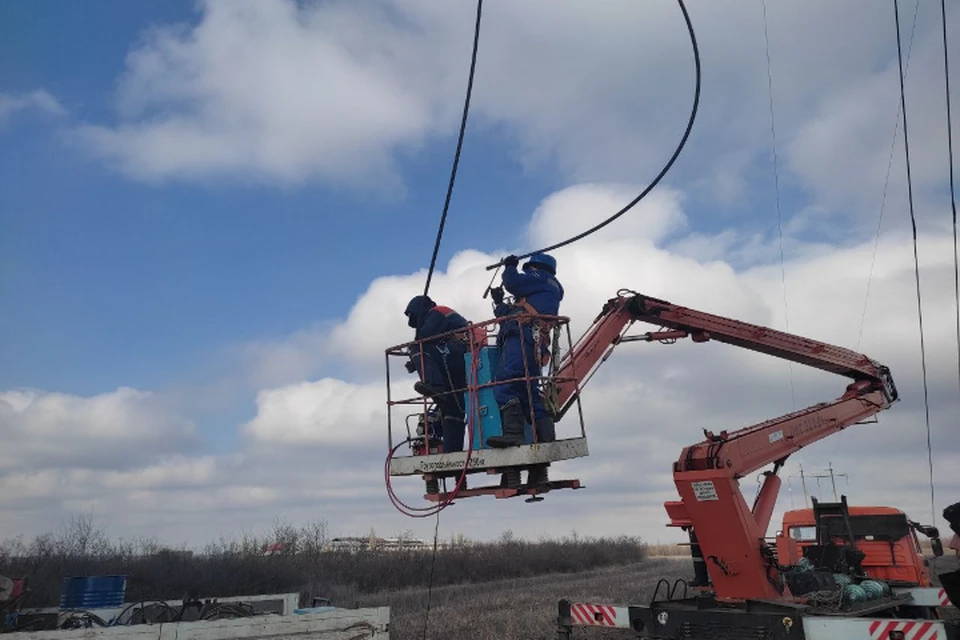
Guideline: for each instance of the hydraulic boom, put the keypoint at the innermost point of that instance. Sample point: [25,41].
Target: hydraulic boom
[727,535]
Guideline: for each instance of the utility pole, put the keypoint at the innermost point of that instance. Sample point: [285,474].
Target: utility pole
[803,481]
[833,476]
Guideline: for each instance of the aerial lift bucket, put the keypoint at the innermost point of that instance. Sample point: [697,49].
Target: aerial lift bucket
[424,455]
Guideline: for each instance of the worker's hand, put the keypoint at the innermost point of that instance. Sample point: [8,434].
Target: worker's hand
[511,261]
[497,294]
[410,366]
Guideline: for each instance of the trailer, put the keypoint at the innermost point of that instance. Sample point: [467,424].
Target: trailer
[704,617]
[336,624]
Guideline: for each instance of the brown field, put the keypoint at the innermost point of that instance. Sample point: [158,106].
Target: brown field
[522,608]
[527,608]
[668,550]
[504,589]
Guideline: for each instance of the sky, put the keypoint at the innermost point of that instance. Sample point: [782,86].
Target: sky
[213,214]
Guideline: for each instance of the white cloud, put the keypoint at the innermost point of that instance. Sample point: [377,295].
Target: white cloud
[43,430]
[342,92]
[314,448]
[39,99]
[267,90]
[324,412]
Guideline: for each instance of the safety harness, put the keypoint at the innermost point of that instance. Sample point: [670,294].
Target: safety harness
[541,328]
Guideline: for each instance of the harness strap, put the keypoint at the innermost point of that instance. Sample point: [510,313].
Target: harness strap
[541,328]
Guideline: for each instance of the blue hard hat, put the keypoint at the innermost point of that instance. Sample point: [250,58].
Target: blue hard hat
[542,261]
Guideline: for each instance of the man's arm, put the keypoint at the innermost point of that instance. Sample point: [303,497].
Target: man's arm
[521,284]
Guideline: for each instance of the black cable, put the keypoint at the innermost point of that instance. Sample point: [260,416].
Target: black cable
[456,156]
[433,562]
[953,199]
[436,249]
[916,257]
[666,167]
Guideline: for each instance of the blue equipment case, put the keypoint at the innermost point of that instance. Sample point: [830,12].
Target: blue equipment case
[91,592]
[486,414]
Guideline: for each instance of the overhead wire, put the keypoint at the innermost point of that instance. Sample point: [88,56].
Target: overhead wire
[663,171]
[456,155]
[426,289]
[776,184]
[916,256]
[886,183]
[953,198]
[443,217]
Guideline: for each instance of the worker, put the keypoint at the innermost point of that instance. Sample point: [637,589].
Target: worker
[952,515]
[524,348]
[440,363]
[950,581]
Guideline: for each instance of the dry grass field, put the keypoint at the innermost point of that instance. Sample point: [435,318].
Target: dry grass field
[522,608]
[527,608]
[507,589]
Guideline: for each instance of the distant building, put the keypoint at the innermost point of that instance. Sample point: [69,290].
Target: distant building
[371,543]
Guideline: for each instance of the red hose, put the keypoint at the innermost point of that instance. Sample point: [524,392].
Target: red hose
[426,512]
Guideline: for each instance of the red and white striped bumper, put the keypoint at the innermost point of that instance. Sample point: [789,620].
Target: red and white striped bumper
[925,596]
[599,615]
[823,628]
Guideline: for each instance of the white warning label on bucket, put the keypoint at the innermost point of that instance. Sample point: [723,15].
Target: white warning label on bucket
[704,491]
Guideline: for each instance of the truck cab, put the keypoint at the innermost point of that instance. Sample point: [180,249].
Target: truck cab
[884,534]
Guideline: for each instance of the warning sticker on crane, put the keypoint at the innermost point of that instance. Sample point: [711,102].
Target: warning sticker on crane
[704,490]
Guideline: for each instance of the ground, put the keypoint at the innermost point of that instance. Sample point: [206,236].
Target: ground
[522,607]
[527,607]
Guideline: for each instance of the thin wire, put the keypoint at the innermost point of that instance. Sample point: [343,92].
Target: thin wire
[886,182]
[456,156]
[916,258]
[953,199]
[666,167]
[433,562]
[776,183]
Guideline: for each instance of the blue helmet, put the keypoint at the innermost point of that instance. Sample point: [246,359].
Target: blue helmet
[542,261]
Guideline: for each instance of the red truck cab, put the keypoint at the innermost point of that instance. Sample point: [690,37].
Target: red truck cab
[884,534]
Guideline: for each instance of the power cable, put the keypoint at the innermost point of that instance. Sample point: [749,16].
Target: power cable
[953,199]
[456,156]
[426,286]
[776,184]
[666,167]
[916,257]
[433,562]
[886,183]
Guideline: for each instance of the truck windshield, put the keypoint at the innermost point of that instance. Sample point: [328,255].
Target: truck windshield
[865,527]
[803,534]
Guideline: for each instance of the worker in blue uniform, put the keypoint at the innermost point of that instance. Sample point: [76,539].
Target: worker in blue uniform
[950,581]
[524,348]
[440,363]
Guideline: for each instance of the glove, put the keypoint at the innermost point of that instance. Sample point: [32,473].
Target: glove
[511,261]
[410,366]
[497,294]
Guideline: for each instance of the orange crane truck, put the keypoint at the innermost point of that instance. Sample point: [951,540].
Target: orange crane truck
[741,588]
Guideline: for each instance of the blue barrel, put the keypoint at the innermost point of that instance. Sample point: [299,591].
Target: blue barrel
[486,412]
[90,592]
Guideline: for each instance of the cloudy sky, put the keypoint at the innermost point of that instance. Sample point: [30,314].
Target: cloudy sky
[214,213]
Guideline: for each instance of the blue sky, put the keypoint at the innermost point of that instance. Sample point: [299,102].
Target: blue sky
[146,279]
[225,205]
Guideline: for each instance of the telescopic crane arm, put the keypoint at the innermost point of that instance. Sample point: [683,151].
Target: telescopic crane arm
[727,533]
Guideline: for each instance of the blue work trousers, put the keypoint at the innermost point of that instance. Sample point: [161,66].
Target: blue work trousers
[446,372]
[520,358]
